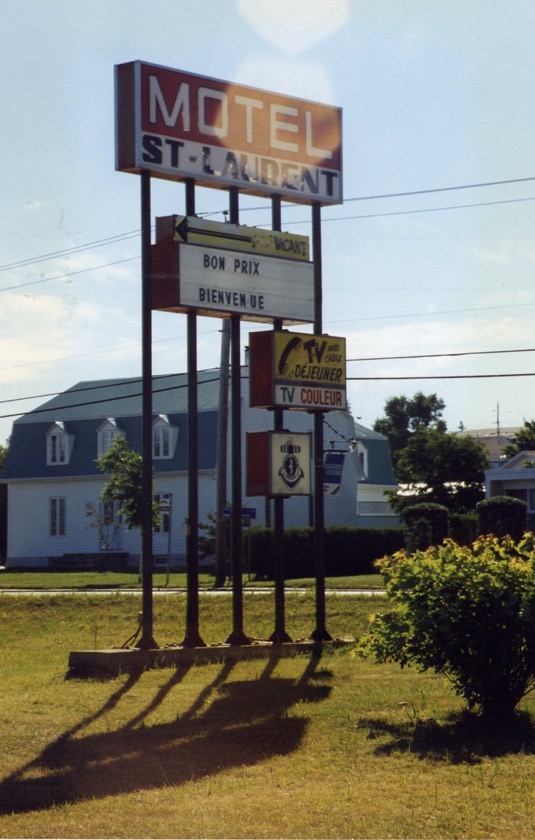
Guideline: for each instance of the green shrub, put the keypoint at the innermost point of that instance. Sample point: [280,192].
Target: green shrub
[425,524]
[353,551]
[468,613]
[501,515]
[463,528]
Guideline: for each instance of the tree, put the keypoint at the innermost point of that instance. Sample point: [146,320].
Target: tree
[437,466]
[442,468]
[466,612]
[404,417]
[523,440]
[125,483]
[3,456]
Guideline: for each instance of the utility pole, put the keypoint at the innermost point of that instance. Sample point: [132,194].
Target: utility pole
[221,553]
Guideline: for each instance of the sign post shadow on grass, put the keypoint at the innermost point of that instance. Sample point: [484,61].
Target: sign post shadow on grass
[231,723]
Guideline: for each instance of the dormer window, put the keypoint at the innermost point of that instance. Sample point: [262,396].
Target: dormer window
[58,445]
[105,434]
[362,456]
[164,437]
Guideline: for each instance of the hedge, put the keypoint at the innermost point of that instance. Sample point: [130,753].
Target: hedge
[463,528]
[426,524]
[502,515]
[348,551]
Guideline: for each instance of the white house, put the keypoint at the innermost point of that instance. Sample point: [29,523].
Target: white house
[515,477]
[53,477]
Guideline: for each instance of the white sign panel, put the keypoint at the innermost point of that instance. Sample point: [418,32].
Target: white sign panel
[255,287]
[313,396]
[290,464]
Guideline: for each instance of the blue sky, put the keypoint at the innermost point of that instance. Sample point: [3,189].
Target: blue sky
[435,94]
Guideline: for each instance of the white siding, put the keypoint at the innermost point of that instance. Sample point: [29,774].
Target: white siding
[29,508]
[29,539]
[29,501]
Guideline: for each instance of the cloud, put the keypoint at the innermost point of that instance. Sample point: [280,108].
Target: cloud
[473,399]
[295,25]
[292,77]
[35,204]
[31,331]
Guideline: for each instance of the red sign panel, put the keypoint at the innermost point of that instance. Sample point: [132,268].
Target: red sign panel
[178,125]
[297,371]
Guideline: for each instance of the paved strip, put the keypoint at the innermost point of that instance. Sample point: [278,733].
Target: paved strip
[174,591]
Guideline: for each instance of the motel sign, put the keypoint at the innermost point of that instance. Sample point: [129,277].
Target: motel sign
[178,125]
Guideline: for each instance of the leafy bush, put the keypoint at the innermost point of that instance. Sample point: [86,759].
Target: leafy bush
[463,528]
[468,613]
[425,524]
[502,515]
[353,551]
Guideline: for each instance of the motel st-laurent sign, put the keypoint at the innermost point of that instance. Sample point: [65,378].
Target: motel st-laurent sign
[178,126]
[220,134]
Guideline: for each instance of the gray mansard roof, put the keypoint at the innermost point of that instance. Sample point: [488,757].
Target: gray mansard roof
[380,469]
[83,408]
[122,398]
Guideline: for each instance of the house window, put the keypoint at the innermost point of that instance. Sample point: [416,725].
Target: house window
[105,436]
[163,500]
[525,495]
[362,459]
[58,445]
[164,437]
[57,517]
[110,521]
[57,448]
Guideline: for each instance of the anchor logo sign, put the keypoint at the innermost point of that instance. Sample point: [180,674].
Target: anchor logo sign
[291,471]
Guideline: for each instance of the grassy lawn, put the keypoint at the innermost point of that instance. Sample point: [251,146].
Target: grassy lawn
[288,748]
[129,580]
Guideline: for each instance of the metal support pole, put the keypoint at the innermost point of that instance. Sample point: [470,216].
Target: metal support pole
[221,535]
[192,637]
[320,632]
[279,634]
[146,641]
[237,637]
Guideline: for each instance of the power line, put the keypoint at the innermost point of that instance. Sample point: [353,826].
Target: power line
[138,394]
[67,274]
[121,382]
[441,355]
[442,189]
[406,193]
[432,314]
[422,210]
[100,352]
[288,224]
[111,240]
[46,409]
[95,386]
[446,376]
[65,252]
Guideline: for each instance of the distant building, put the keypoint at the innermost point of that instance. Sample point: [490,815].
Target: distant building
[52,475]
[493,442]
[515,477]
